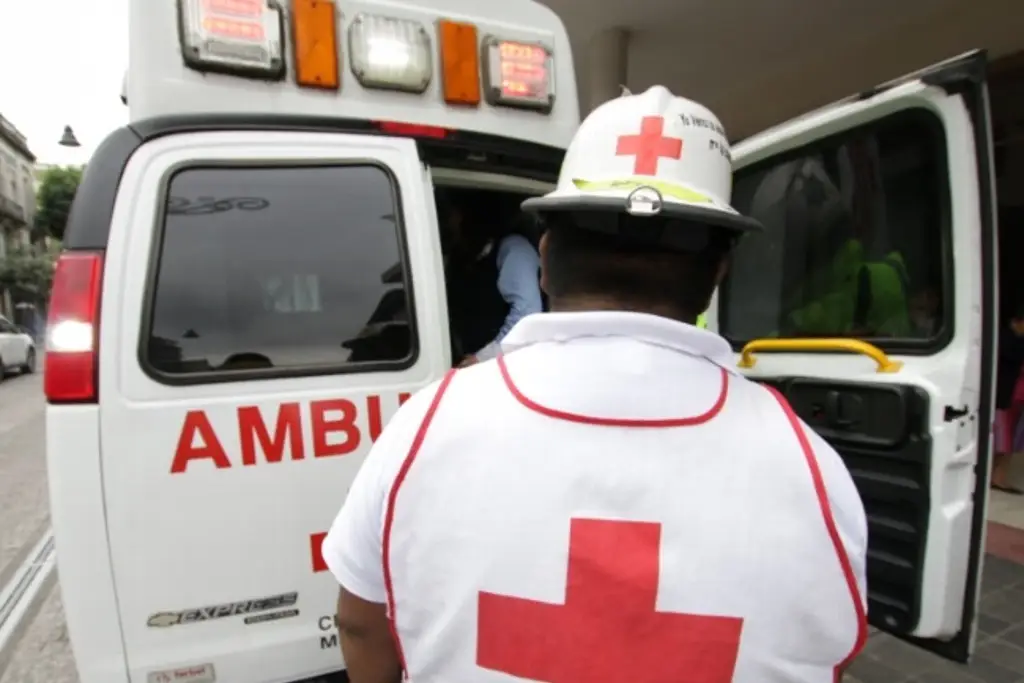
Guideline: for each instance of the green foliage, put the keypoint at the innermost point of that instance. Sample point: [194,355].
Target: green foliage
[57,189]
[28,274]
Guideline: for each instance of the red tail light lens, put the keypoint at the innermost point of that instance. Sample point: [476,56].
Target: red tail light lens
[412,130]
[72,329]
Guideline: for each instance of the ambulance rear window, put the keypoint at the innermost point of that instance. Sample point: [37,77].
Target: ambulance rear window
[275,271]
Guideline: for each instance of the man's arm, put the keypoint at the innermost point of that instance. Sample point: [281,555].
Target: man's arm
[519,285]
[353,551]
[366,642]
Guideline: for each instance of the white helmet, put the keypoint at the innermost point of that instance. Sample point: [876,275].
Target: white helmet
[652,154]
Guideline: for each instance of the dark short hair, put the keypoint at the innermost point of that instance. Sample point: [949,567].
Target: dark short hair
[582,262]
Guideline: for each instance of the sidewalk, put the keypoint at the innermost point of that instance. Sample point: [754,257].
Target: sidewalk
[999,653]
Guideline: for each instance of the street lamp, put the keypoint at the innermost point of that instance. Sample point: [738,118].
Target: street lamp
[69,139]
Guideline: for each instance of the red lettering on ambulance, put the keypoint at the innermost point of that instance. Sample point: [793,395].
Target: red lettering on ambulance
[197,424]
[374,413]
[373,416]
[287,432]
[316,542]
[325,425]
[334,423]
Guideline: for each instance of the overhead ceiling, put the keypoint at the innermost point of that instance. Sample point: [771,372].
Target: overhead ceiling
[758,62]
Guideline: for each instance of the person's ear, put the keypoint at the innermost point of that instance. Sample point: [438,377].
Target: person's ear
[723,269]
[542,249]
[720,273]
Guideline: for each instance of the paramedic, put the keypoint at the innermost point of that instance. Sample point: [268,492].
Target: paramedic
[593,501]
[492,278]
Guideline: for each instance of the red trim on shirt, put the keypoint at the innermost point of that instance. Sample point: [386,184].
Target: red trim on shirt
[612,421]
[389,514]
[830,524]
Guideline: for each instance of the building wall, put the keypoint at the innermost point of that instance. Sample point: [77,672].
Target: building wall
[17,195]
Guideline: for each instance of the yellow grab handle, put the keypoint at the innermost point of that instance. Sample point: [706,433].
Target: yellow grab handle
[885,364]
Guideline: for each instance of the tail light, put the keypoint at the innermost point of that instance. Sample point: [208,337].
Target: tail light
[72,329]
[412,130]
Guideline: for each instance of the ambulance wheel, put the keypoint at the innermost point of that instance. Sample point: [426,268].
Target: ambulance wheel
[30,363]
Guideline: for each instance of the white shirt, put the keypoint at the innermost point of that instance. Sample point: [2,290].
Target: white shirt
[614,365]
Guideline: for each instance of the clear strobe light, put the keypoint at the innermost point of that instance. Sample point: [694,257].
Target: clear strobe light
[390,54]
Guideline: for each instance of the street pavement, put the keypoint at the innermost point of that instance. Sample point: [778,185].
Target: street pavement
[42,653]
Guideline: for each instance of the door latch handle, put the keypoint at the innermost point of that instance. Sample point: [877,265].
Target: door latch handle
[950,413]
[842,411]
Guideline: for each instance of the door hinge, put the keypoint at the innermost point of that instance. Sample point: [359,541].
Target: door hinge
[950,413]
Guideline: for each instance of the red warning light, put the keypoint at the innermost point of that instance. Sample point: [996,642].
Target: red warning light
[235,8]
[524,71]
[237,30]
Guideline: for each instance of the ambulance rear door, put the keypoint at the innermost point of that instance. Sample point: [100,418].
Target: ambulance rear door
[870,301]
[270,297]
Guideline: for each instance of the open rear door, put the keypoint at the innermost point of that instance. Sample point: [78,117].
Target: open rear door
[870,301]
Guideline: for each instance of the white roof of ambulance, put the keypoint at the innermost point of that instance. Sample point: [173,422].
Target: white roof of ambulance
[159,84]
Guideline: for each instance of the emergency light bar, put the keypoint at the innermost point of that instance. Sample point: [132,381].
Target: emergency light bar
[246,38]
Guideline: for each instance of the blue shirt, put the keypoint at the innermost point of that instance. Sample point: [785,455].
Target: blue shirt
[518,284]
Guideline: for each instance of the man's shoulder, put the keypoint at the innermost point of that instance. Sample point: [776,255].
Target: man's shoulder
[464,385]
[515,243]
[417,405]
[755,395]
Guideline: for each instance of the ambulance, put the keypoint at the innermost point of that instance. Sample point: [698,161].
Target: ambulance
[253,282]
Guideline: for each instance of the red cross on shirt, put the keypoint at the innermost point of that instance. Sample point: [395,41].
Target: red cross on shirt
[608,629]
[649,146]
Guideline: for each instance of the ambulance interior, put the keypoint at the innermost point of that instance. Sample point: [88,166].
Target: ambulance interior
[1006,90]
[490,213]
[487,216]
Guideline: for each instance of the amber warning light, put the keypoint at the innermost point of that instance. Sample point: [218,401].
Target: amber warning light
[520,75]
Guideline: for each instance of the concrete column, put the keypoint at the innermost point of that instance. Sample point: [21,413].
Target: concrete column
[606,67]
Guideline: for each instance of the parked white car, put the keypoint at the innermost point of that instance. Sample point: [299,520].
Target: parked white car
[17,350]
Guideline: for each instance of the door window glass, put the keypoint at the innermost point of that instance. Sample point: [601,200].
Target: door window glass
[853,246]
[280,268]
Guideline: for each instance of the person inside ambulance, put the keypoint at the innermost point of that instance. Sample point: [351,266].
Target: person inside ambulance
[844,292]
[595,499]
[491,274]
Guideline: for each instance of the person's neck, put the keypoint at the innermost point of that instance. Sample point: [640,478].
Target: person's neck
[595,303]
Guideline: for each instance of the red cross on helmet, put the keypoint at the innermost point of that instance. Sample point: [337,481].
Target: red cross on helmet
[652,154]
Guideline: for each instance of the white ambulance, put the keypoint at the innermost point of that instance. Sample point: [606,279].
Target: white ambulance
[253,282]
